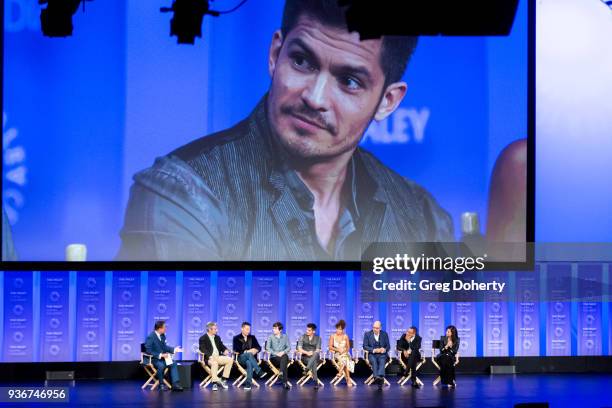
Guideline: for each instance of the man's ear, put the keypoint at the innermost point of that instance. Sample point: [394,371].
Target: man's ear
[275,47]
[392,97]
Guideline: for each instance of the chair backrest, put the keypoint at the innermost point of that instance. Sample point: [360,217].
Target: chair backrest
[435,344]
[143,349]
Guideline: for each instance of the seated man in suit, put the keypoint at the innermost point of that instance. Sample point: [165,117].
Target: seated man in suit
[215,355]
[376,343]
[247,346]
[410,347]
[157,347]
[309,346]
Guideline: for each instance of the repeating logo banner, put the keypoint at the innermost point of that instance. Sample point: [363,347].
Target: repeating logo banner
[90,315]
[495,322]
[431,313]
[332,306]
[231,301]
[463,316]
[265,303]
[590,278]
[527,315]
[161,304]
[299,304]
[399,310]
[558,313]
[366,309]
[18,317]
[196,310]
[55,340]
[126,332]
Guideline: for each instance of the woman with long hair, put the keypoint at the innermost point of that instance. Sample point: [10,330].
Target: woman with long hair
[449,346]
[339,345]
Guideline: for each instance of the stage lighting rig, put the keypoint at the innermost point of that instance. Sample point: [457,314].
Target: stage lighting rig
[186,24]
[56,18]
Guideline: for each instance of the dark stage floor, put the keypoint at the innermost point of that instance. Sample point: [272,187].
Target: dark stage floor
[560,390]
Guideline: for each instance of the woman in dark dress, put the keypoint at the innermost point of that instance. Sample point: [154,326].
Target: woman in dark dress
[449,346]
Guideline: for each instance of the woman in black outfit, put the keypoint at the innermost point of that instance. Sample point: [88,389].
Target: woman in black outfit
[449,346]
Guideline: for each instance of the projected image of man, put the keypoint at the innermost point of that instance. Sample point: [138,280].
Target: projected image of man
[290,182]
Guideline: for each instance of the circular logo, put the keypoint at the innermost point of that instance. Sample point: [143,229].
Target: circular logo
[126,295]
[464,319]
[527,320]
[54,323]
[265,321]
[332,320]
[54,296]
[91,282]
[18,310]
[91,336]
[161,308]
[230,334]
[590,319]
[298,308]
[196,295]
[126,322]
[431,332]
[526,344]
[495,307]
[265,295]
[399,321]
[230,308]
[464,345]
[230,282]
[162,281]
[91,309]
[432,307]
[559,307]
[527,295]
[496,332]
[299,283]
[559,331]
[18,283]
[18,337]
[332,295]
[366,307]
[126,348]
[590,344]
[54,349]
[196,321]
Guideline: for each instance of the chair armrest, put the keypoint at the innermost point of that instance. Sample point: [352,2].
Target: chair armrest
[201,357]
[144,356]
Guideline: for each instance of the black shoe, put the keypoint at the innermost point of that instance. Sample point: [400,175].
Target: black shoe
[415,384]
[177,388]
[163,387]
[316,386]
[247,387]
[287,386]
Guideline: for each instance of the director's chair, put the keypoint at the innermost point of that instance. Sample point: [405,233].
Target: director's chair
[275,370]
[370,379]
[243,373]
[404,379]
[340,367]
[207,369]
[146,361]
[308,376]
[434,347]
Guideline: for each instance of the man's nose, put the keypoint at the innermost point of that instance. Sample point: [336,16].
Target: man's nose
[316,94]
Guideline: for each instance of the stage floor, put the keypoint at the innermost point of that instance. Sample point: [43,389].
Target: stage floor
[560,390]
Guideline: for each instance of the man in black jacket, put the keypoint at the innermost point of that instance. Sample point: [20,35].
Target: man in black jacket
[156,346]
[247,347]
[410,347]
[215,355]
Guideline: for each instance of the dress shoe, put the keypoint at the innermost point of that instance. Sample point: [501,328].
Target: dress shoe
[163,387]
[177,388]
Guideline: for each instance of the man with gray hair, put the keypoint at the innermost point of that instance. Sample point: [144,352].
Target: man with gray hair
[215,355]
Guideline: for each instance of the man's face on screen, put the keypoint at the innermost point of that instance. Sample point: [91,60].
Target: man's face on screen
[326,88]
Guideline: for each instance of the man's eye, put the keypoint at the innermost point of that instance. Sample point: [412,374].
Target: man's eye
[350,83]
[301,62]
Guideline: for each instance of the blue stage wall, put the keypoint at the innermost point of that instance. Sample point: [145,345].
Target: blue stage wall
[104,316]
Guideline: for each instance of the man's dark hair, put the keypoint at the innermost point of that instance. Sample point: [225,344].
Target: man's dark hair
[159,324]
[312,326]
[416,331]
[396,50]
[246,324]
[279,325]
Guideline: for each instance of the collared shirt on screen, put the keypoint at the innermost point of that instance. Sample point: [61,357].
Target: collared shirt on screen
[233,195]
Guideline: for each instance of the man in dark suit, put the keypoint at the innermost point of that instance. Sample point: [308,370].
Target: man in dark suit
[376,343]
[215,355]
[410,347]
[246,346]
[157,347]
